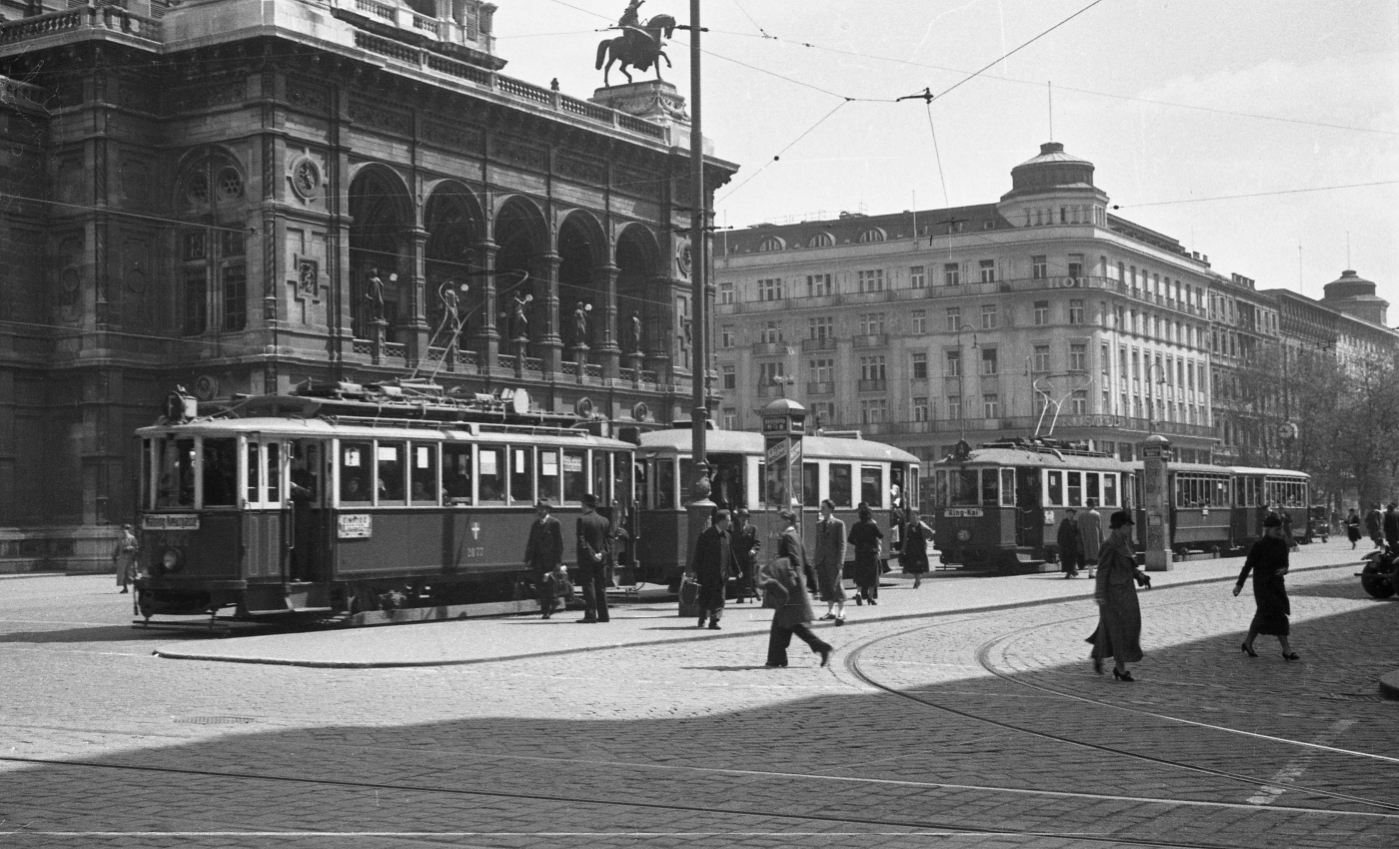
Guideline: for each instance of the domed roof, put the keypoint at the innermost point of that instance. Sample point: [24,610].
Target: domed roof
[1052,171]
[1053,152]
[1349,285]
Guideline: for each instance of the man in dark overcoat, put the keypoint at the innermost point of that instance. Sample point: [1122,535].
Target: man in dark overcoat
[1373,524]
[1391,526]
[594,556]
[1070,544]
[744,538]
[544,553]
[711,567]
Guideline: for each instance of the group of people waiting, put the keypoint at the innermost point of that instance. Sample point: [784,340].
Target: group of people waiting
[1382,528]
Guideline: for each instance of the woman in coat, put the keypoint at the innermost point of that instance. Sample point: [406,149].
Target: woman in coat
[1267,559]
[916,539]
[1353,528]
[785,591]
[1119,616]
[866,536]
[829,562]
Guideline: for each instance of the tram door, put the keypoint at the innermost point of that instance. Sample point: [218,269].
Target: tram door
[305,530]
[1029,516]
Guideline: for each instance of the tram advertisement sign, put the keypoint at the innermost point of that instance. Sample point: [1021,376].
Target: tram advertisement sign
[170,522]
[783,456]
[355,526]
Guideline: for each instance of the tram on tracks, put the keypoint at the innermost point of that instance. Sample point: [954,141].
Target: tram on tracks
[999,506]
[364,503]
[843,467]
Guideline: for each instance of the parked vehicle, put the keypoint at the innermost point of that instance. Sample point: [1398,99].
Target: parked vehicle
[1381,573]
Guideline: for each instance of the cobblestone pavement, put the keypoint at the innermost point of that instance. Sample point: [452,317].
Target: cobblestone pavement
[964,729]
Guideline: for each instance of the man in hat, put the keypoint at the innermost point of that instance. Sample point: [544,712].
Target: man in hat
[1070,541]
[711,566]
[744,539]
[594,555]
[544,553]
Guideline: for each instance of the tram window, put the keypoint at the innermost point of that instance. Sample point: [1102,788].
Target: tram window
[354,471]
[990,495]
[176,465]
[252,495]
[1090,486]
[964,488]
[220,472]
[939,488]
[274,472]
[915,494]
[727,488]
[147,463]
[550,482]
[575,475]
[521,475]
[1007,487]
[1075,489]
[872,486]
[601,475]
[491,474]
[456,473]
[423,489]
[665,482]
[1054,482]
[811,482]
[1109,490]
[840,485]
[643,491]
[389,471]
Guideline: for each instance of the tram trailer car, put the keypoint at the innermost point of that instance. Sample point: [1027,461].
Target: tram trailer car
[846,469]
[359,503]
[999,506]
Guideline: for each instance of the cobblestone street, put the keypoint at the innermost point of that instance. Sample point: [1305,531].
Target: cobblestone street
[956,728]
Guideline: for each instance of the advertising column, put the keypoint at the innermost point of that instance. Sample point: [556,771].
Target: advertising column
[1156,454]
[784,423]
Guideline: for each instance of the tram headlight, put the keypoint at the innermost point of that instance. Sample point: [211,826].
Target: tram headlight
[170,560]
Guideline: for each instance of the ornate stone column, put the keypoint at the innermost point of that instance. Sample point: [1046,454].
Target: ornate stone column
[488,348]
[551,345]
[608,347]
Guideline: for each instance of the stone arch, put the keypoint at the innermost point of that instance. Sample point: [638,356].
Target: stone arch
[641,290]
[454,223]
[522,270]
[583,259]
[210,197]
[381,249]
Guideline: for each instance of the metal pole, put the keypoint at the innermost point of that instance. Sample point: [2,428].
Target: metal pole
[698,253]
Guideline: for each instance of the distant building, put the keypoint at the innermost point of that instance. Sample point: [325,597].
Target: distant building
[240,195]
[986,321]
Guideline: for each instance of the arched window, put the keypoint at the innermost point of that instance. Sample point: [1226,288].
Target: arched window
[770,243]
[873,234]
[821,240]
[213,291]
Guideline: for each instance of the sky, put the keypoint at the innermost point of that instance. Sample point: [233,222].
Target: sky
[1246,129]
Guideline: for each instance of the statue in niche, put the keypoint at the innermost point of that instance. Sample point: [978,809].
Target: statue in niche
[374,296]
[635,332]
[580,324]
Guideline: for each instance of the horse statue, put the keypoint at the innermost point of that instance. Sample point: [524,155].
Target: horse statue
[638,47]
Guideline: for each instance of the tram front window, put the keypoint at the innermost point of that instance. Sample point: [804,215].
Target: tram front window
[665,482]
[456,473]
[175,460]
[811,492]
[354,472]
[964,488]
[220,472]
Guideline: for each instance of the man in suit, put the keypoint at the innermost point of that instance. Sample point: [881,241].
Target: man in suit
[711,567]
[1090,529]
[594,556]
[829,562]
[744,538]
[544,553]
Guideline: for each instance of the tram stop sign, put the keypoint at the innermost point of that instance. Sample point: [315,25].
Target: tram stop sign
[783,417]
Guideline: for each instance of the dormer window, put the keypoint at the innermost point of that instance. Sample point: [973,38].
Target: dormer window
[821,240]
[873,234]
[770,243]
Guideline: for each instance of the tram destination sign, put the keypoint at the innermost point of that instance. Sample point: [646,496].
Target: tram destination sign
[170,522]
[355,526]
[962,513]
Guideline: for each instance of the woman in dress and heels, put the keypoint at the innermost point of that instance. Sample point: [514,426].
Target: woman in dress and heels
[915,552]
[1119,615]
[866,537]
[1267,560]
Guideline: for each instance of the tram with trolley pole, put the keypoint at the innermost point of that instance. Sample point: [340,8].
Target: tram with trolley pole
[998,507]
[359,503]
[841,466]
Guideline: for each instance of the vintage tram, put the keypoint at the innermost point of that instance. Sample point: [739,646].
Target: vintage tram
[361,502]
[999,506]
[843,467]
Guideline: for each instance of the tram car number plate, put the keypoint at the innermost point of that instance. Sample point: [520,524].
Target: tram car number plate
[962,513]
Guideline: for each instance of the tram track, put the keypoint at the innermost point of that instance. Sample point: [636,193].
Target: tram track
[913,825]
[853,665]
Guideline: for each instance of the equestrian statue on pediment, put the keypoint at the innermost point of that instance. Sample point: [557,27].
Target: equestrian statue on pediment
[639,46]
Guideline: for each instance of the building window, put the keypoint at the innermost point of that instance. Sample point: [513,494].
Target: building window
[1078,404]
[1076,311]
[954,408]
[954,319]
[873,410]
[917,278]
[730,380]
[951,274]
[988,271]
[991,405]
[726,336]
[726,293]
[196,297]
[988,361]
[235,297]
[872,368]
[769,372]
[821,240]
[988,316]
[822,370]
[920,366]
[920,322]
[770,333]
[823,412]
[1039,267]
[219,258]
[822,328]
[873,234]
[770,243]
[871,324]
[1075,265]
[1041,313]
[770,289]
[952,364]
[1042,358]
[818,285]
[920,409]
[871,280]
[730,418]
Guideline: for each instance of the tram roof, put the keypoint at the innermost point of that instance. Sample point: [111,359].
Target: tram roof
[1277,473]
[747,442]
[300,428]
[1013,456]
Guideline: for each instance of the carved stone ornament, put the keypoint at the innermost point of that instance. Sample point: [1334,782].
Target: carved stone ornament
[305,177]
[684,259]
[307,278]
[206,387]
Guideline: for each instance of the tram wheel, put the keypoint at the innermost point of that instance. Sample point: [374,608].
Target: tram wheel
[1376,582]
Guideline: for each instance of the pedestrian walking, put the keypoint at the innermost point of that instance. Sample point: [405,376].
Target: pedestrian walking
[867,538]
[784,590]
[790,546]
[1286,516]
[1119,615]
[124,558]
[745,541]
[544,553]
[1373,522]
[1090,528]
[711,567]
[916,538]
[1267,560]
[1353,528]
[1391,526]
[829,562]
[1070,541]
[594,556]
